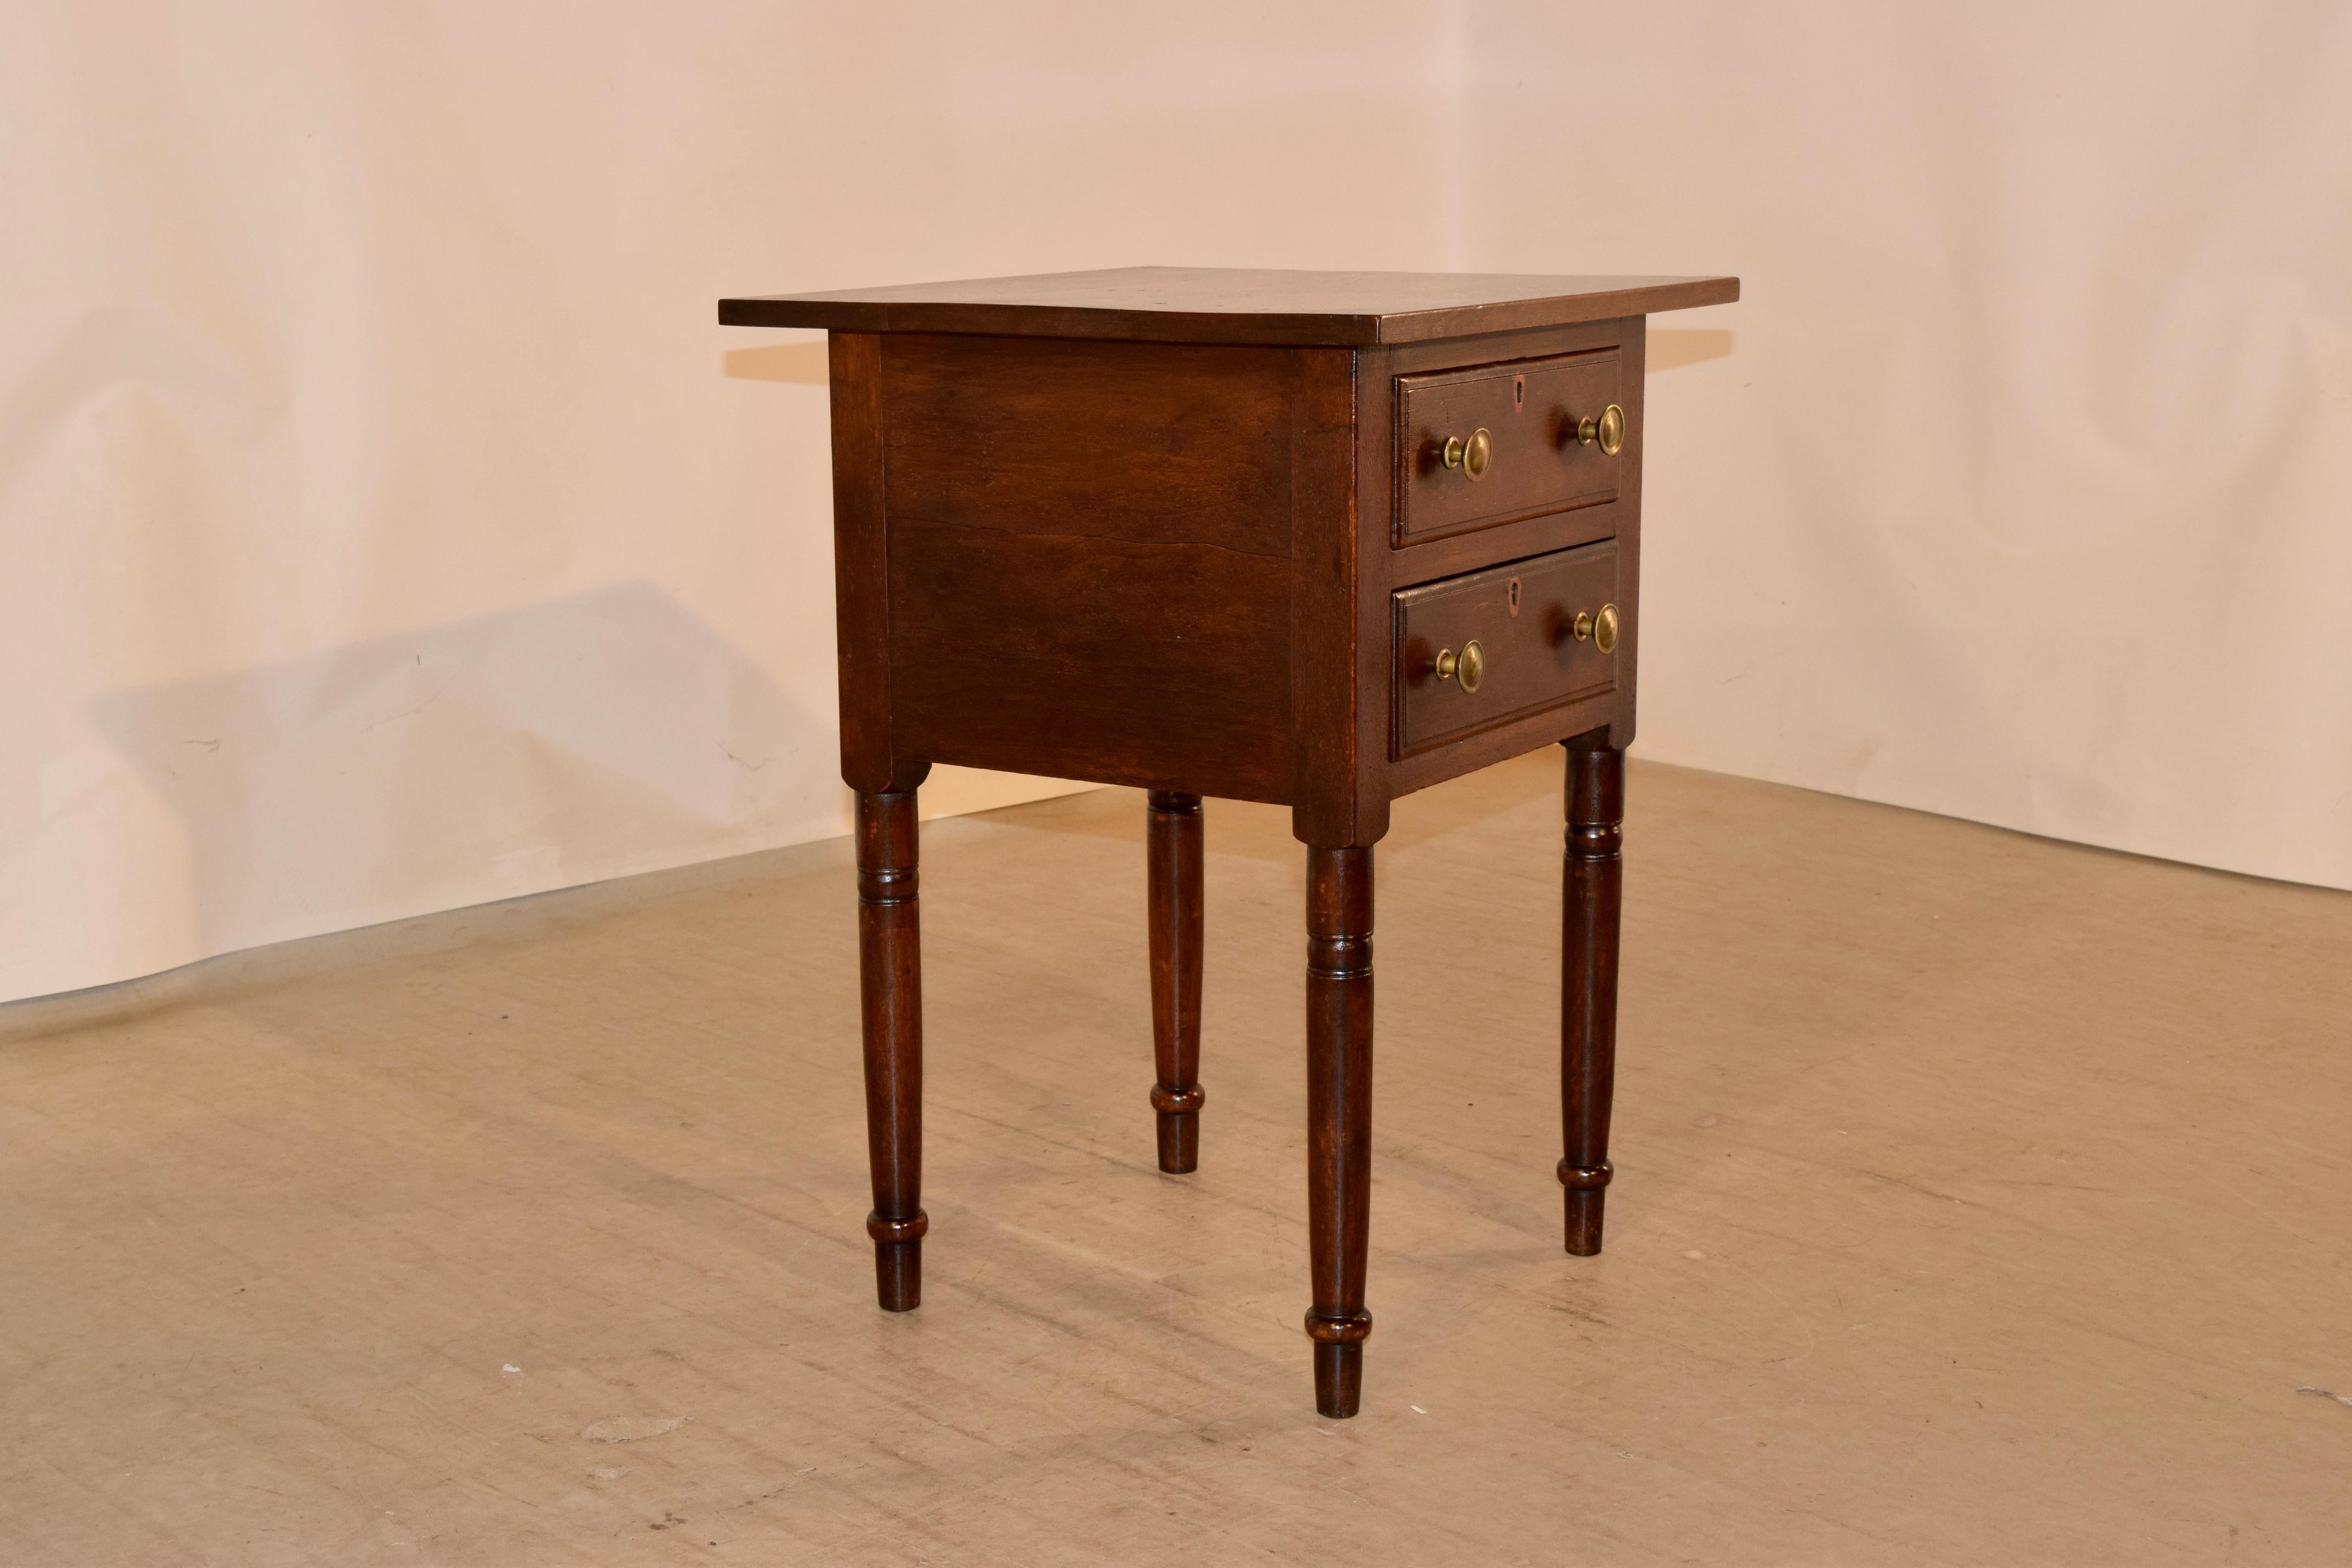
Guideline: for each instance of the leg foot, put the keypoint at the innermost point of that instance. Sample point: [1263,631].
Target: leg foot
[1593,884]
[1172,849]
[1180,1129]
[899,1260]
[1587,1191]
[1338,1117]
[890,983]
[1339,1380]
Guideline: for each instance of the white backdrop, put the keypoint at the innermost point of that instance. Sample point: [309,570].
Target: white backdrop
[385,525]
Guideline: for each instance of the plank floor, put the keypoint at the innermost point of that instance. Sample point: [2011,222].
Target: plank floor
[1979,1200]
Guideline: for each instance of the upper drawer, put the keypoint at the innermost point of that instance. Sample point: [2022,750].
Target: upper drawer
[1478,650]
[1531,411]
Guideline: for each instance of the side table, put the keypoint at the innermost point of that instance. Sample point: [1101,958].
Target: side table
[1317,539]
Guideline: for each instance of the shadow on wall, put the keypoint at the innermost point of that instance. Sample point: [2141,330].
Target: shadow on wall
[1670,348]
[798,364]
[587,737]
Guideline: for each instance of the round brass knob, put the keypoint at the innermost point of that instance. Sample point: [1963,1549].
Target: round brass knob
[1468,667]
[1600,631]
[1471,455]
[1609,429]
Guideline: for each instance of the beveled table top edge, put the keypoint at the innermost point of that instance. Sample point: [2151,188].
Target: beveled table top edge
[1234,306]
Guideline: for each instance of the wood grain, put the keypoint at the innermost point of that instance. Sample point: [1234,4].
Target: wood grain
[1220,305]
[1182,529]
[1428,559]
[1593,882]
[1143,442]
[1339,1117]
[1161,666]
[1620,519]
[1629,534]
[1172,897]
[1531,409]
[1337,733]
[861,562]
[890,990]
[1522,615]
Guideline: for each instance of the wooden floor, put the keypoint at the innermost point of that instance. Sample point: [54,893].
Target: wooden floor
[1979,1200]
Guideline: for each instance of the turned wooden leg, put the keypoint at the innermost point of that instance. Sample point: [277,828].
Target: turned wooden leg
[1173,848]
[1338,1117]
[890,976]
[1592,885]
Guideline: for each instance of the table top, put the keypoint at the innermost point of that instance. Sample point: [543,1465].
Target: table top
[1234,305]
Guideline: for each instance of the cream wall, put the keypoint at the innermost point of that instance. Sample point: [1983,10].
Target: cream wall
[2021,487]
[385,525]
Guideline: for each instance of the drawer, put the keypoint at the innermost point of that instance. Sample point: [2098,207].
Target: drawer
[1523,620]
[1531,411]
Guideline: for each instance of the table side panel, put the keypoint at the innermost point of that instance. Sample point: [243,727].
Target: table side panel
[1160,666]
[1090,568]
[1145,442]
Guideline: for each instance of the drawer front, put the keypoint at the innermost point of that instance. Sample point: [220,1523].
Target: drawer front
[1530,410]
[1523,617]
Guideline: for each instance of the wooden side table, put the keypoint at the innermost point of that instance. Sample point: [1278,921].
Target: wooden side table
[1315,539]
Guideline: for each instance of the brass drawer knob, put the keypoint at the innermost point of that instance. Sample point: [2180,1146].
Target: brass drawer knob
[1471,455]
[1600,631]
[1468,668]
[1609,429]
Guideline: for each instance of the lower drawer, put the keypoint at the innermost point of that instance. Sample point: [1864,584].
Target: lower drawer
[1489,646]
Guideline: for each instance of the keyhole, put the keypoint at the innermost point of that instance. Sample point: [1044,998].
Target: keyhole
[1515,595]
[1518,393]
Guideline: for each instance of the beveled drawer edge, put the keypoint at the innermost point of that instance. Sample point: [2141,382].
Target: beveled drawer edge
[1546,533]
[1448,375]
[1529,731]
[1398,752]
[1403,454]
[1399,542]
[1456,737]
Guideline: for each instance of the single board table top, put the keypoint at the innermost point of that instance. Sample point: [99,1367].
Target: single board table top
[1232,305]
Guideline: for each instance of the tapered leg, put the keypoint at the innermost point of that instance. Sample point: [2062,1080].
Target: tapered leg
[1338,1117]
[890,976]
[1593,883]
[1173,848]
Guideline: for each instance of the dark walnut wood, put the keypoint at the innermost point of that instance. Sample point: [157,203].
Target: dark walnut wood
[1532,410]
[890,988]
[1525,618]
[1339,1117]
[1172,892]
[1089,560]
[861,562]
[1591,892]
[1190,530]
[1219,305]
